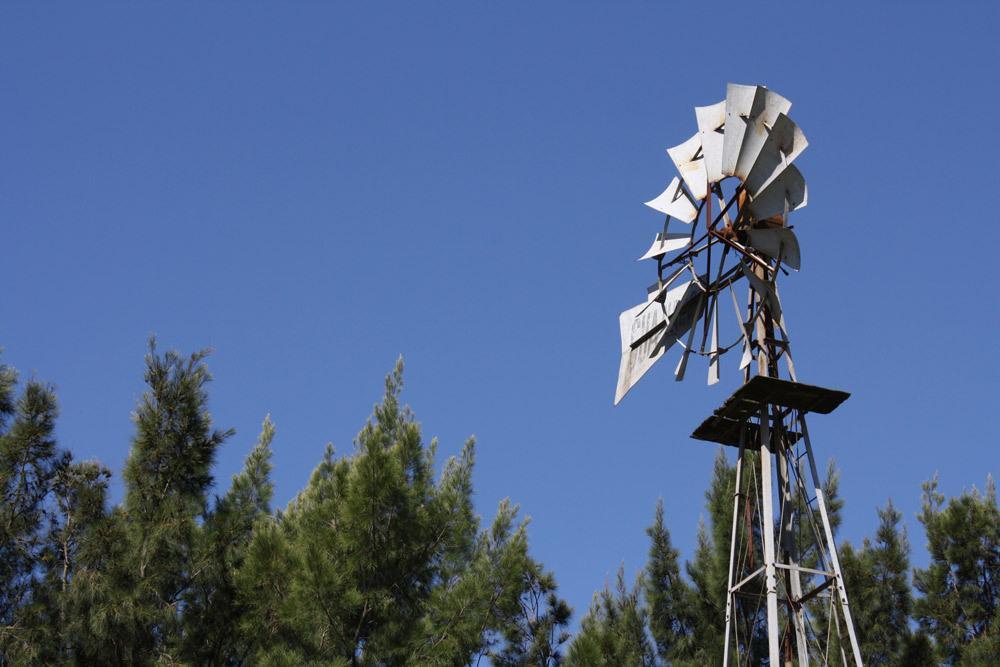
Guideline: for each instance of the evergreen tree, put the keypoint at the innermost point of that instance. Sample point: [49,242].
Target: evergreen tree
[132,596]
[878,583]
[960,587]
[613,633]
[79,491]
[918,651]
[29,461]
[667,595]
[212,612]
[375,563]
[709,571]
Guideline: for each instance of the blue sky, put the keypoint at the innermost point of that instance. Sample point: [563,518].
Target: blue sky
[312,190]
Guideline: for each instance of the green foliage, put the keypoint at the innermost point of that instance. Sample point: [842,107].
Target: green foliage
[669,600]
[960,587]
[167,479]
[613,632]
[877,579]
[376,563]
[380,560]
[29,463]
[212,611]
[709,571]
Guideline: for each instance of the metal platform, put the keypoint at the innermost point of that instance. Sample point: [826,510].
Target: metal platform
[723,426]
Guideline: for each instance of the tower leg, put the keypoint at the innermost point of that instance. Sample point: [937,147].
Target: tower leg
[730,595]
[831,545]
[771,581]
[789,553]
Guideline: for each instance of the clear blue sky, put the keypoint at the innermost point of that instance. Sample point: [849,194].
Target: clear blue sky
[312,190]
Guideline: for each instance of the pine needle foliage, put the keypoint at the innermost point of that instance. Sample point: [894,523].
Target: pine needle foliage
[381,560]
[959,604]
[378,563]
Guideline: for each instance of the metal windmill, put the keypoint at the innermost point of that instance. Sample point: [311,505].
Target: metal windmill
[786,590]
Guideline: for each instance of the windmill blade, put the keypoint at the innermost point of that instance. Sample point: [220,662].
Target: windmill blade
[747,356]
[711,121]
[777,243]
[768,105]
[641,348]
[739,106]
[786,192]
[664,243]
[764,290]
[683,361]
[648,321]
[675,202]
[785,143]
[683,311]
[656,293]
[691,165]
[713,357]
[725,213]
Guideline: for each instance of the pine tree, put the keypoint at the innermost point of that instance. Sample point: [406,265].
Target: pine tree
[878,582]
[709,571]
[960,587]
[212,612]
[29,460]
[375,563]
[667,595]
[613,633]
[132,596]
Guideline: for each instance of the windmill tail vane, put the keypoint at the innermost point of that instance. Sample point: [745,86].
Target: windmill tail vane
[786,600]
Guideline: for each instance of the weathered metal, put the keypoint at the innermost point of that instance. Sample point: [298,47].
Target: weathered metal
[691,166]
[777,243]
[675,202]
[783,144]
[767,106]
[785,192]
[711,121]
[749,137]
[664,243]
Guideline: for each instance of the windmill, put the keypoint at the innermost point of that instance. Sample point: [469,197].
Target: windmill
[786,590]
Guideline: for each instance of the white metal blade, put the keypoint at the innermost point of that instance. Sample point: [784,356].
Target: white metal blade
[657,291]
[691,166]
[711,121]
[767,106]
[739,106]
[764,289]
[664,244]
[682,313]
[777,243]
[683,361]
[675,202]
[786,192]
[785,143]
[746,358]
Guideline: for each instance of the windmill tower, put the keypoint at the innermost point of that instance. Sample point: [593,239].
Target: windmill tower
[786,597]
